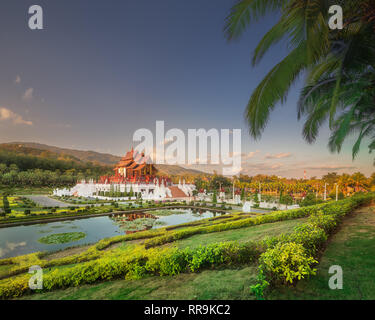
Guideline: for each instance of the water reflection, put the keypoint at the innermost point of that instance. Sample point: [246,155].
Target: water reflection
[10,246]
[24,239]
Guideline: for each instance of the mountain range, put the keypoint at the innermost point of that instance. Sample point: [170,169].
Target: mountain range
[46,151]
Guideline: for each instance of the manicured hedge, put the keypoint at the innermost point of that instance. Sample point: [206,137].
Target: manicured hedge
[291,257]
[137,263]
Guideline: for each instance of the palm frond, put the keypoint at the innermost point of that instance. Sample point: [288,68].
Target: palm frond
[274,35]
[244,11]
[274,88]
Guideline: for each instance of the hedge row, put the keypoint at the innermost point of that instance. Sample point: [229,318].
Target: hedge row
[291,257]
[21,264]
[88,210]
[135,264]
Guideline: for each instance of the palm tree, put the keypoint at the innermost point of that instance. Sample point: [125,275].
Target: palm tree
[343,84]
[303,24]
[359,180]
[372,179]
[345,181]
[339,66]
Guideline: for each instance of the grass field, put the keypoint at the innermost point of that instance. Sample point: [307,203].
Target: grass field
[26,190]
[226,284]
[242,235]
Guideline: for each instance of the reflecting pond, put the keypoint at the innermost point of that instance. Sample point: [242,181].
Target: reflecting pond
[182,216]
[21,240]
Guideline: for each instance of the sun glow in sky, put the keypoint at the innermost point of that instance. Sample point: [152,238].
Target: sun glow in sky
[100,70]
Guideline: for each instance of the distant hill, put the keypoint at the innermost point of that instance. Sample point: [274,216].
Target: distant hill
[38,149]
[52,152]
[177,170]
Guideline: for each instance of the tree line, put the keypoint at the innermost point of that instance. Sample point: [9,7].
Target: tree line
[23,170]
[346,184]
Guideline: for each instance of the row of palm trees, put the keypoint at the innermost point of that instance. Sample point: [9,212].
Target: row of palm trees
[346,183]
[272,185]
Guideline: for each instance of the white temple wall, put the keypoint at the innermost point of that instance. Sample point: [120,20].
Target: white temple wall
[148,191]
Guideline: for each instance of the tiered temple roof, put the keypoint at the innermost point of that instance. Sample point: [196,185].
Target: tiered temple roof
[135,167]
[134,164]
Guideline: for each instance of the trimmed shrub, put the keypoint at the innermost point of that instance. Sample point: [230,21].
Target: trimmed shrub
[287,262]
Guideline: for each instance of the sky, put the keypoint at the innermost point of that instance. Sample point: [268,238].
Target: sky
[100,70]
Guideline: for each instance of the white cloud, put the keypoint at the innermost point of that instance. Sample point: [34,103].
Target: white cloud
[6,114]
[276,166]
[278,155]
[255,168]
[28,95]
[250,155]
[330,167]
[18,79]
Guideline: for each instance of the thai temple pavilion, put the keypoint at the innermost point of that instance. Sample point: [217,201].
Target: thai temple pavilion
[133,173]
[134,165]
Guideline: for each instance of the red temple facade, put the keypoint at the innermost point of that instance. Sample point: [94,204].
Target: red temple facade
[134,167]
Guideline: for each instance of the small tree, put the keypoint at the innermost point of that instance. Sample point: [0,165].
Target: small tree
[287,200]
[256,200]
[111,191]
[214,197]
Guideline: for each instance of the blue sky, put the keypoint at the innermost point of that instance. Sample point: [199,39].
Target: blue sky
[102,69]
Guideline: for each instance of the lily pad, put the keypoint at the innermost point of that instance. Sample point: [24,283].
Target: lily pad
[58,238]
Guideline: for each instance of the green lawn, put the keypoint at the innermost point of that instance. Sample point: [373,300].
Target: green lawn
[352,248]
[26,190]
[209,284]
[242,235]
[4,269]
